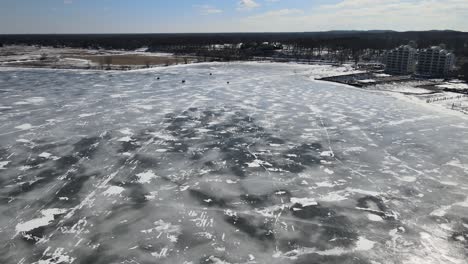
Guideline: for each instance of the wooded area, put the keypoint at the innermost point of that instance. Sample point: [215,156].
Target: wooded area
[331,46]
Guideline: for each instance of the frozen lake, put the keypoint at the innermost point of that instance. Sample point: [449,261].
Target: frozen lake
[120,167]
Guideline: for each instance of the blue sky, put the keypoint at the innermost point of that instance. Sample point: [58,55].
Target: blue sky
[162,16]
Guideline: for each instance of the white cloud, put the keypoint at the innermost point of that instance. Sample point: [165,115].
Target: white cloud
[208,10]
[365,15]
[67,2]
[278,13]
[399,15]
[247,5]
[359,3]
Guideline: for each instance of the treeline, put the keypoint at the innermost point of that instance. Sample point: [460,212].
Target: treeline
[337,46]
[379,40]
[464,71]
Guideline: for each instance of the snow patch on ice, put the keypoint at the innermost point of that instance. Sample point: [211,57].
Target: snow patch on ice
[118,95]
[441,211]
[374,218]
[333,197]
[146,177]
[125,139]
[58,256]
[113,190]
[355,149]
[45,155]
[328,153]
[304,201]
[126,131]
[24,126]
[47,217]
[87,115]
[408,178]
[3,164]
[32,100]
[257,163]
[161,150]
[367,81]
[364,244]
[324,184]
[457,163]
[365,192]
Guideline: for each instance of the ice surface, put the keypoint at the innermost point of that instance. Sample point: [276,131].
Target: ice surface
[120,167]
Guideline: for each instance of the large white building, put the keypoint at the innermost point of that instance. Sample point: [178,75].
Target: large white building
[400,60]
[435,62]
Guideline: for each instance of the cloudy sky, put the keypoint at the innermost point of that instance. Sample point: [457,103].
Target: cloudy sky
[161,16]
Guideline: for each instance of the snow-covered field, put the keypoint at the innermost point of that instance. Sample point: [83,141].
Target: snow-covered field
[274,167]
[65,58]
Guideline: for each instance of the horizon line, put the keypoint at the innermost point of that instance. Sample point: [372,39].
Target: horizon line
[376,31]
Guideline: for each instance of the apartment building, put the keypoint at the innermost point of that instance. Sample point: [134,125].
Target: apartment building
[435,62]
[400,60]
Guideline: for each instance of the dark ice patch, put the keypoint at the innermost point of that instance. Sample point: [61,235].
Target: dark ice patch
[275,140]
[259,201]
[261,231]
[145,161]
[207,199]
[137,194]
[292,167]
[188,240]
[44,177]
[100,255]
[255,200]
[342,259]
[371,202]
[332,230]
[461,234]
[40,148]
[307,154]
[213,260]
[311,212]
[65,162]
[177,147]
[86,147]
[73,185]
[375,206]
[31,237]
[4,153]
[460,237]
[34,162]
[129,146]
